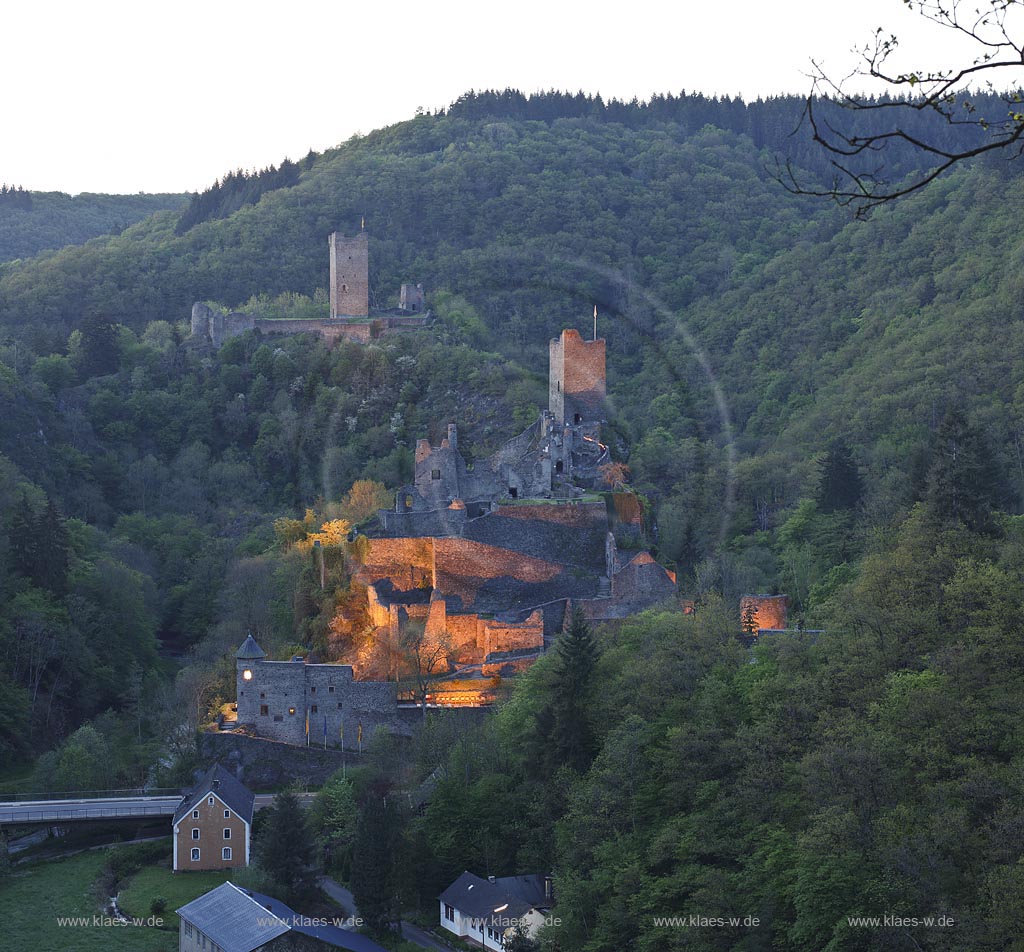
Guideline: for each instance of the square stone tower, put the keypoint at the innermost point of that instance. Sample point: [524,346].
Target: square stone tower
[576,379]
[350,275]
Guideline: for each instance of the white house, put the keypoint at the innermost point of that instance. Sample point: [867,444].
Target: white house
[484,911]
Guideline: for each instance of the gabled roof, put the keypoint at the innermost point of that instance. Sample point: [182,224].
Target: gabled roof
[250,651]
[218,781]
[509,898]
[239,920]
[234,921]
[528,888]
[328,934]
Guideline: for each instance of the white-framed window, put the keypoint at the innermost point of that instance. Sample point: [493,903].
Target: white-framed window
[227,814]
[449,912]
[227,832]
[225,853]
[195,814]
[195,855]
[188,928]
[195,833]
[209,800]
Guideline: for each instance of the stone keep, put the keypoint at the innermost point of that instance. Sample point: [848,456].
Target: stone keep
[576,380]
[350,275]
[274,698]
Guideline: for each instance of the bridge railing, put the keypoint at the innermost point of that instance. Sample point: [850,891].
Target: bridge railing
[15,815]
[93,794]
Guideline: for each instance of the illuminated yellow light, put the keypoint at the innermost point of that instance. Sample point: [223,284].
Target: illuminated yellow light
[246,675]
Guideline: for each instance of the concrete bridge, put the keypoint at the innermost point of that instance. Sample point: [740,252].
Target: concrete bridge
[116,805]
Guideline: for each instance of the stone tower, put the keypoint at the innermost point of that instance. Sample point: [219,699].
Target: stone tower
[576,379]
[247,659]
[350,275]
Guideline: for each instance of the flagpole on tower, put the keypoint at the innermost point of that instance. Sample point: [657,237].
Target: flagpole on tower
[595,322]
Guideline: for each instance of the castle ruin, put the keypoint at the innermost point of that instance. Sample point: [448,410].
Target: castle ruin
[486,561]
[350,316]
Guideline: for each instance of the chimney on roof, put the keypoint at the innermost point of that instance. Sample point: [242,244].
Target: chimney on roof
[216,782]
[490,879]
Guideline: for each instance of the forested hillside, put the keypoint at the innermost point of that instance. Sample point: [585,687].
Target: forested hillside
[813,405]
[31,222]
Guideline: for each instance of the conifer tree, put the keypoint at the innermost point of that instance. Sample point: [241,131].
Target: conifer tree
[373,864]
[840,485]
[572,733]
[286,850]
[963,483]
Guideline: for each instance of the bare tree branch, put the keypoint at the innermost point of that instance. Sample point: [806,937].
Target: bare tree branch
[943,93]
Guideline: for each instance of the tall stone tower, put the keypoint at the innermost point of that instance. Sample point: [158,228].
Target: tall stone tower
[576,379]
[350,275]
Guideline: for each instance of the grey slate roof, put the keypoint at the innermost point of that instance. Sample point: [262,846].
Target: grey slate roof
[511,897]
[328,934]
[250,651]
[219,781]
[233,920]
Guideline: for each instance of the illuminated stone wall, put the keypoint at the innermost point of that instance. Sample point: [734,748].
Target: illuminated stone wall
[768,611]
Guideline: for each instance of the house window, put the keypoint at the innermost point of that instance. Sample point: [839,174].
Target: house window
[195,856]
[209,800]
[195,814]
[339,705]
[195,833]
[225,853]
[227,814]
[188,929]
[312,709]
[449,912]
[330,690]
[264,710]
[312,690]
[435,474]
[263,694]
[227,832]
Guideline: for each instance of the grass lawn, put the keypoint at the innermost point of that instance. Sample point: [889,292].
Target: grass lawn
[177,888]
[32,898]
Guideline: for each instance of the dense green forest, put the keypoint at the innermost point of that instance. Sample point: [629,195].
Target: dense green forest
[31,222]
[829,408]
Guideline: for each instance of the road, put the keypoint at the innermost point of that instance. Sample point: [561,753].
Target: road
[54,811]
[410,932]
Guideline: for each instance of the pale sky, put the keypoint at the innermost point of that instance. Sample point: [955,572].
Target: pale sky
[128,96]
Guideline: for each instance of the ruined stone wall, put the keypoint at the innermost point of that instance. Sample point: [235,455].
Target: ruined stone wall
[642,579]
[407,563]
[435,522]
[580,515]
[464,637]
[462,566]
[437,472]
[543,539]
[501,636]
[410,297]
[769,611]
[349,279]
